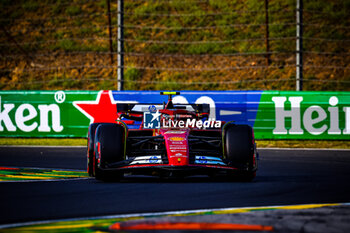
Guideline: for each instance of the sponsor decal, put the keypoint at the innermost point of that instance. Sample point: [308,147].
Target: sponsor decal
[314,117]
[152,109]
[151,120]
[183,116]
[178,155]
[60,97]
[175,132]
[28,117]
[201,159]
[191,123]
[178,143]
[174,151]
[147,159]
[209,160]
[178,147]
[176,139]
[103,109]
[153,159]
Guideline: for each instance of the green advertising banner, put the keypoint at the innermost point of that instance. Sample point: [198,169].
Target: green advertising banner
[303,115]
[43,113]
[273,114]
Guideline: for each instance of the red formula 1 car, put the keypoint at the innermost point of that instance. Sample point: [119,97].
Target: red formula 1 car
[172,140]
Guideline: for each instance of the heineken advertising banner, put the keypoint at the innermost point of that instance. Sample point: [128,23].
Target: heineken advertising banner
[273,114]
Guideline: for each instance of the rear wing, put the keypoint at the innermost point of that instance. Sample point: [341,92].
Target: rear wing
[135,111]
[140,108]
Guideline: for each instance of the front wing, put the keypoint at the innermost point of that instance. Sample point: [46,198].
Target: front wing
[153,165]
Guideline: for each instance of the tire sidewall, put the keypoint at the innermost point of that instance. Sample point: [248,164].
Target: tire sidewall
[110,138]
[91,147]
[239,146]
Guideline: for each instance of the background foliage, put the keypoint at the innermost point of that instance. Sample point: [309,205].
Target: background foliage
[173,44]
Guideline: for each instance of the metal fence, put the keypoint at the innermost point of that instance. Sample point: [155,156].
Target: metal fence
[168,46]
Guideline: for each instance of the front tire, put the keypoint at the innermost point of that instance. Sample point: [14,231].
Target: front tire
[109,148]
[240,151]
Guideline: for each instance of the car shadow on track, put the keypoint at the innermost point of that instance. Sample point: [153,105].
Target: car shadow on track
[191,179]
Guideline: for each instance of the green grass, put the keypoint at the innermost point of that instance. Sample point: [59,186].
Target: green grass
[303,144]
[235,12]
[73,10]
[260,143]
[59,21]
[130,75]
[30,6]
[43,141]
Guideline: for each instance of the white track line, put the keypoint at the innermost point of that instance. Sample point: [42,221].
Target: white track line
[155,214]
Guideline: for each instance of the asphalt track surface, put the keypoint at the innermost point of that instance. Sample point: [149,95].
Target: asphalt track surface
[284,177]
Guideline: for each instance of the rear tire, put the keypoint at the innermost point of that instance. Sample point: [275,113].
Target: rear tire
[239,150]
[109,148]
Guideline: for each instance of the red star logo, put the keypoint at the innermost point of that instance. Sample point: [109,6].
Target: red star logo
[103,109]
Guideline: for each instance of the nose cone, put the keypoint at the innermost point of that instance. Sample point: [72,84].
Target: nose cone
[177,146]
